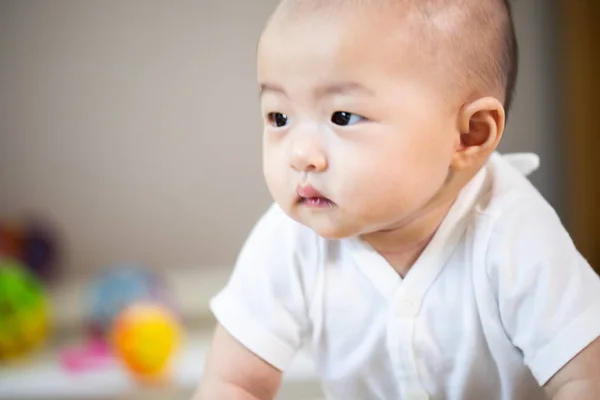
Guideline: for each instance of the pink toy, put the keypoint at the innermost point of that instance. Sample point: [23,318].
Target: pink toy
[95,355]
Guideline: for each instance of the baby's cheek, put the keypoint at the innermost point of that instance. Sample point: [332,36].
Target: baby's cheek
[274,159]
[273,175]
[400,191]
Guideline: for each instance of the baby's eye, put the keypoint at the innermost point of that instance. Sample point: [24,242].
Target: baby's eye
[344,118]
[277,119]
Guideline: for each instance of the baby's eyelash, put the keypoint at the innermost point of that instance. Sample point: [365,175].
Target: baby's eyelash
[343,118]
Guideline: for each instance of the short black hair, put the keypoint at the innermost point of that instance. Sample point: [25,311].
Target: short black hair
[510,57]
[475,46]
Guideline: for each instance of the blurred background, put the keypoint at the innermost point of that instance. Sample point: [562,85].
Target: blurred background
[130,139]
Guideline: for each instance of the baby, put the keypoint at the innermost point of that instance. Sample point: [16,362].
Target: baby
[402,251]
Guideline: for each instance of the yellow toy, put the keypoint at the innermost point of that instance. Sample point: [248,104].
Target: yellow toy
[146,336]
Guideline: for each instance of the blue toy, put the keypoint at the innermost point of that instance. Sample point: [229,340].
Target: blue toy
[119,287]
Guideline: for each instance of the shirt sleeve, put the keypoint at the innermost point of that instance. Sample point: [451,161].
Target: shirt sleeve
[263,304]
[547,293]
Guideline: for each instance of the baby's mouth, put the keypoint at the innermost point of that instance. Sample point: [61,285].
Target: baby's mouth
[316,202]
[311,197]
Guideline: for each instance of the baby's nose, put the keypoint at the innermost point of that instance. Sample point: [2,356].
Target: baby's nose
[308,156]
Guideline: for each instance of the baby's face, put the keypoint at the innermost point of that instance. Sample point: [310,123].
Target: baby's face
[352,112]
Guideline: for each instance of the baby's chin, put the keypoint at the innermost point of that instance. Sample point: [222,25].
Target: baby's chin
[342,228]
[333,233]
[328,225]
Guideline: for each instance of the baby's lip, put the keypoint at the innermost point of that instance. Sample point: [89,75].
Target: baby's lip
[309,192]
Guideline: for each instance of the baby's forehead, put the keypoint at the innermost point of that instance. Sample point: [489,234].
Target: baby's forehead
[467,40]
[433,27]
[437,12]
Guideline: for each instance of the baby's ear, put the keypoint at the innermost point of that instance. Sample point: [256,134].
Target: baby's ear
[480,128]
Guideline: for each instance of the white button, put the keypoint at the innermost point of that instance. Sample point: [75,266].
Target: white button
[418,394]
[408,306]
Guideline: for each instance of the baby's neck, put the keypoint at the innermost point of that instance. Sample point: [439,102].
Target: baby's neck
[402,244]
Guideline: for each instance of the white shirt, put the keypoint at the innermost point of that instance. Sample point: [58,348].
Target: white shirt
[497,303]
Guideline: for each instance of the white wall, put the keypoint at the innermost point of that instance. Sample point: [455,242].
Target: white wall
[135,123]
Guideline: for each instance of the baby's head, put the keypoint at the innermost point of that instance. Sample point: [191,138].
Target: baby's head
[385,107]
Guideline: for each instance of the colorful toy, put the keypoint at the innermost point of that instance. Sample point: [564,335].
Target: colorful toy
[94,355]
[11,240]
[32,241]
[146,336]
[40,248]
[119,287]
[24,320]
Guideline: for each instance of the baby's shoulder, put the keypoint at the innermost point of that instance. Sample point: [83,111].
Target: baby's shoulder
[508,201]
[506,189]
[514,226]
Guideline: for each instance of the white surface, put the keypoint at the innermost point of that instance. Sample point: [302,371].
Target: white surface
[44,379]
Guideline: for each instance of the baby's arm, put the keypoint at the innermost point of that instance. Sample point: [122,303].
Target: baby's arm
[261,312]
[580,378]
[235,373]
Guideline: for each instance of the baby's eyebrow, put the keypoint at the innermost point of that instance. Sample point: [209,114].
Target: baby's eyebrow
[341,88]
[268,87]
[335,88]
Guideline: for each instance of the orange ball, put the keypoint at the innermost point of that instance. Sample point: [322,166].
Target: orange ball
[146,336]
